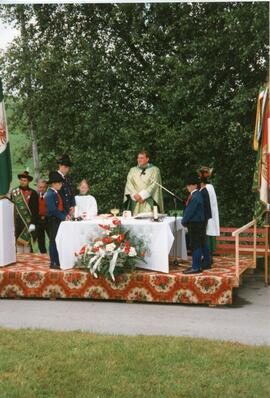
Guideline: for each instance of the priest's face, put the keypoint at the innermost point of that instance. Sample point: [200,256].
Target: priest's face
[24,182]
[142,159]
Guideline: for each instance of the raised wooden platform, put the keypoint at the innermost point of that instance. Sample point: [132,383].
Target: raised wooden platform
[31,277]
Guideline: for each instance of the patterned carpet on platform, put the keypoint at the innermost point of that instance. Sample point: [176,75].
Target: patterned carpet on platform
[31,277]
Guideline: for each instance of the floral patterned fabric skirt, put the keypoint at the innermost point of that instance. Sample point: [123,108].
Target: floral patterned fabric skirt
[32,277]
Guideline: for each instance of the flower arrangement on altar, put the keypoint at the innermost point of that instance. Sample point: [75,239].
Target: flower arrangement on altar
[115,251]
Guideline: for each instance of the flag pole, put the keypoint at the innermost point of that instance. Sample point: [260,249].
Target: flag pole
[267,221]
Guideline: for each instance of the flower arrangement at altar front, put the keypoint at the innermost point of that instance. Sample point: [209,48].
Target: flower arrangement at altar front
[115,251]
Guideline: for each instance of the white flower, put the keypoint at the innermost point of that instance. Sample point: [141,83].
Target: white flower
[106,232]
[132,252]
[110,247]
[115,236]
[98,243]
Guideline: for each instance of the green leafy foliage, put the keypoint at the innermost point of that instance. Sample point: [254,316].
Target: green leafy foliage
[180,80]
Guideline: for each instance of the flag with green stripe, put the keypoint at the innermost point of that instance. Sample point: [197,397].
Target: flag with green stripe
[5,160]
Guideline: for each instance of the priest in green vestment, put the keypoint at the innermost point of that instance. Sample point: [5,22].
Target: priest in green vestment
[141,191]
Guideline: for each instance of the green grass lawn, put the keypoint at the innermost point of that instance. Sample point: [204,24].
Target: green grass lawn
[36,364]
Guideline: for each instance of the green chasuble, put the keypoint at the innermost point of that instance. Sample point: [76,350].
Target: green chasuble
[141,181]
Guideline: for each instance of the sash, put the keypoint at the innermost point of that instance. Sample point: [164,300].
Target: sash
[25,215]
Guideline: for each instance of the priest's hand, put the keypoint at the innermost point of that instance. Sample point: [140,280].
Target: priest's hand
[68,217]
[137,197]
[71,210]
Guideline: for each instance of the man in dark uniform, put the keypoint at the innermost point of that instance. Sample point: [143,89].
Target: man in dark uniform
[66,191]
[193,219]
[56,214]
[26,202]
[206,261]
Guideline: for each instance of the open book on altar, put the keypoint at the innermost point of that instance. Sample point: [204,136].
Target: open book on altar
[148,215]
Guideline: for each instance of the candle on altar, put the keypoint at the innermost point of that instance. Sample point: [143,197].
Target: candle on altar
[155,212]
[76,212]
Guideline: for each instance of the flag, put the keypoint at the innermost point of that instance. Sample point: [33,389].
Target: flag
[5,160]
[260,112]
[261,143]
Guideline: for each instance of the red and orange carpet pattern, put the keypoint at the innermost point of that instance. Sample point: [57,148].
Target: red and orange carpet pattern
[31,277]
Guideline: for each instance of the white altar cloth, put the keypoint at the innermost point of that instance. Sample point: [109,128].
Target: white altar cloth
[159,237]
[7,233]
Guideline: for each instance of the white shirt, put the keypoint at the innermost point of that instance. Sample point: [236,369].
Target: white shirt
[61,174]
[43,194]
[86,204]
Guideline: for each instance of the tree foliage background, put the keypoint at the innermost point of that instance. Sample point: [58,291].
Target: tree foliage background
[101,82]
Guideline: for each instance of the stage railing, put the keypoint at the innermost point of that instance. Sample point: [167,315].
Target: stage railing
[236,234]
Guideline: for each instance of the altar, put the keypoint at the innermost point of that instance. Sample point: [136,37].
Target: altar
[158,236]
[7,233]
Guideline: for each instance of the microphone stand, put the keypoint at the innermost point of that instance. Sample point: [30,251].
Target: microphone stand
[175,198]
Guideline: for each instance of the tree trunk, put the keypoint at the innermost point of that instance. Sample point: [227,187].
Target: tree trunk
[35,153]
[29,92]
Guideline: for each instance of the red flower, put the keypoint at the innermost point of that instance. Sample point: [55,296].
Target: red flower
[82,251]
[127,243]
[116,221]
[107,239]
[142,254]
[107,227]
[127,249]
[95,249]
[120,238]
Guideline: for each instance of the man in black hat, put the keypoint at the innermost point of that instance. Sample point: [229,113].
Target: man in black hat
[193,219]
[206,261]
[56,213]
[26,202]
[66,191]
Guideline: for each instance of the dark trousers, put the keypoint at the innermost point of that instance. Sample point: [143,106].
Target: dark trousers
[197,235]
[206,260]
[42,230]
[53,224]
[197,240]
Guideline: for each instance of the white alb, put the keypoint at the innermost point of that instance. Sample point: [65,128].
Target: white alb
[86,204]
[213,223]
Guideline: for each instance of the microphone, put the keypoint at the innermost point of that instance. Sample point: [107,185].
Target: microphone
[152,181]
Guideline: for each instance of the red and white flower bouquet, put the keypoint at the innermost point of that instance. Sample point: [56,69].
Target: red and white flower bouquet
[115,251]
